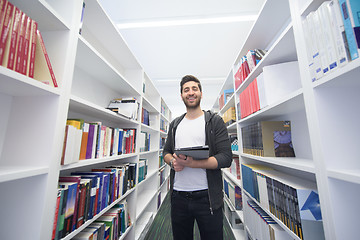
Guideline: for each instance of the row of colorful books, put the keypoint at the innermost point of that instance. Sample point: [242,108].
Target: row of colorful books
[110,226]
[273,84]
[246,64]
[85,140]
[22,48]
[332,35]
[84,194]
[292,200]
[268,139]
[261,225]
[233,193]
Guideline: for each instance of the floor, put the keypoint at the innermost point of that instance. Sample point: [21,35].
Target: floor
[160,229]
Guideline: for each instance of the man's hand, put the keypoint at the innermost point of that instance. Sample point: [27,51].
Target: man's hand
[177,163]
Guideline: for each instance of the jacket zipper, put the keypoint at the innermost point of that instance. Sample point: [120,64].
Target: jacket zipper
[211,209]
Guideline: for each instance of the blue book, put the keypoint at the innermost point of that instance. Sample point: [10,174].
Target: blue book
[355,10]
[121,136]
[348,30]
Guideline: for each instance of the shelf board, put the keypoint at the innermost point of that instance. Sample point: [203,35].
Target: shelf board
[281,224]
[80,105]
[262,33]
[43,13]
[93,63]
[16,84]
[301,164]
[293,102]
[89,162]
[144,195]
[346,76]
[8,173]
[149,106]
[232,178]
[106,37]
[348,175]
[283,50]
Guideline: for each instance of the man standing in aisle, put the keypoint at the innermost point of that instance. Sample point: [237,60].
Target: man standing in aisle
[197,185]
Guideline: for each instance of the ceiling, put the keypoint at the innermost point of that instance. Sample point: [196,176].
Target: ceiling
[173,38]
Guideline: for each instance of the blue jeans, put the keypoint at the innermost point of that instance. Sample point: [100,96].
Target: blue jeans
[188,207]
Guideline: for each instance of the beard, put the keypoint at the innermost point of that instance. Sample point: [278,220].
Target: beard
[192,105]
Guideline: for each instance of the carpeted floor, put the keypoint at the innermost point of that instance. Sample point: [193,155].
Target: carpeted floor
[160,228]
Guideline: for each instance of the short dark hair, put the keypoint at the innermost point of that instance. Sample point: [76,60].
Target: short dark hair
[189,78]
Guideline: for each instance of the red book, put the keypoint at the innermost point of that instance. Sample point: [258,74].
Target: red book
[257,95]
[5,30]
[20,48]
[58,198]
[83,191]
[32,49]
[25,56]
[9,60]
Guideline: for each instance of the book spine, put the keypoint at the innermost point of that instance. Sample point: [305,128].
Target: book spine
[5,30]
[32,50]
[21,44]
[24,64]
[14,39]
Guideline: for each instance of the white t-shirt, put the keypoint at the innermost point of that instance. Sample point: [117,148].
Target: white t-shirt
[190,133]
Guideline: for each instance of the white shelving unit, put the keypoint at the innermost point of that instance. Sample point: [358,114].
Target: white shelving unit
[91,69]
[322,114]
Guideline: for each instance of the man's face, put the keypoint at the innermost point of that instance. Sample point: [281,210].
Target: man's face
[191,94]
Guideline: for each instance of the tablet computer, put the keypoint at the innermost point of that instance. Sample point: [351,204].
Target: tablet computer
[197,152]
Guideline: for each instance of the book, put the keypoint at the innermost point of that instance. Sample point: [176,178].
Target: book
[354,13]
[61,214]
[337,28]
[57,210]
[25,55]
[91,141]
[73,179]
[5,31]
[84,194]
[21,43]
[32,49]
[349,32]
[10,49]
[94,198]
[43,70]
[70,206]
[84,141]
[197,152]
[268,139]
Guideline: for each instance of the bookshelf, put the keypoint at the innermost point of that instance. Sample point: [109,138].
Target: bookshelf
[318,112]
[91,68]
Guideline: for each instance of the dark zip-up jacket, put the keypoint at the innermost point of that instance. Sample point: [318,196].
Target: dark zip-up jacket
[217,139]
